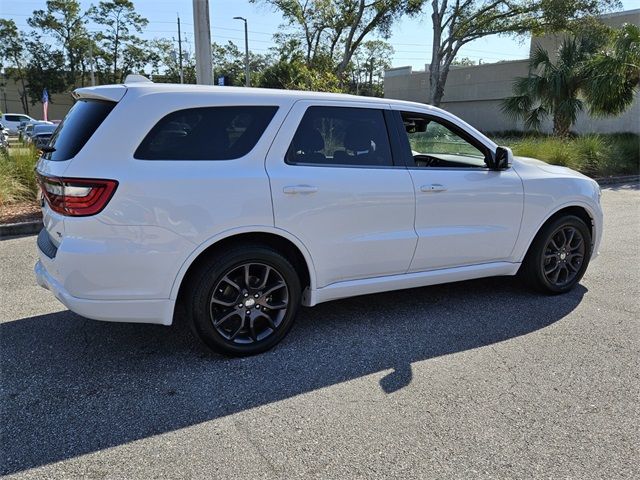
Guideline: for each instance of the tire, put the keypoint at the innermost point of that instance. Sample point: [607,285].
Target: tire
[240,312]
[558,256]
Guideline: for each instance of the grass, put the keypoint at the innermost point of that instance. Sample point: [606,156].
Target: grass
[17,180]
[594,155]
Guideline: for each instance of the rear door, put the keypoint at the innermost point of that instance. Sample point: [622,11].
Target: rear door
[336,186]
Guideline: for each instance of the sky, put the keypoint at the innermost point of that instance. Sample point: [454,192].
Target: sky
[410,38]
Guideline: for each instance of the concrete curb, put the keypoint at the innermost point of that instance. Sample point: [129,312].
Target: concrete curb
[605,181]
[17,229]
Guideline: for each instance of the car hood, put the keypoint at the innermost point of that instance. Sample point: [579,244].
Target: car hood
[555,170]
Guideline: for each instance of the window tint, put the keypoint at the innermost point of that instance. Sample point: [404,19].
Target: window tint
[14,118]
[208,133]
[81,122]
[341,136]
[434,144]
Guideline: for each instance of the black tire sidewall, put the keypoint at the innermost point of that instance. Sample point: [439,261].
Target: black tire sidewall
[207,278]
[534,259]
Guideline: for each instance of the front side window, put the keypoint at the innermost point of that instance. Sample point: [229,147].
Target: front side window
[438,145]
[341,136]
[206,133]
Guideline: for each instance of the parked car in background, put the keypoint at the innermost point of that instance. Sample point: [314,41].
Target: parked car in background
[42,134]
[12,121]
[4,133]
[4,140]
[30,129]
[242,204]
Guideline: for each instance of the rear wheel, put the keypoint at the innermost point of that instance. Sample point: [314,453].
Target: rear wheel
[559,255]
[244,301]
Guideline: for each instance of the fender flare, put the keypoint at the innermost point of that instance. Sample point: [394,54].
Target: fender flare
[238,231]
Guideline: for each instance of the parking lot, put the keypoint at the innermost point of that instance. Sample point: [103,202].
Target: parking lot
[469,380]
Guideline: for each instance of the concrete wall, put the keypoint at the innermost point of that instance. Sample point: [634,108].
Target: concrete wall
[475,93]
[59,104]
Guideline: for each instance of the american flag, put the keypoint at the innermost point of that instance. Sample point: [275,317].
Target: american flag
[45,103]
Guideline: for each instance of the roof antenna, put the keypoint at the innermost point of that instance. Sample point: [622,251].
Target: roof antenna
[135,78]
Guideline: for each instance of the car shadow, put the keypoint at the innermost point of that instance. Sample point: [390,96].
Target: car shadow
[72,386]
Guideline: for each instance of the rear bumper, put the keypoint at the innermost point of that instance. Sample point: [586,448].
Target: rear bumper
[135,311]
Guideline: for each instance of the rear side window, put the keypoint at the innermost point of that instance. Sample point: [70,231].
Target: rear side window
[15,118]
[81,122]
[207,133]
[341,136]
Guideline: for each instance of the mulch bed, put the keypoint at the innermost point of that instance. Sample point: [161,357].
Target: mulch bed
[21,212]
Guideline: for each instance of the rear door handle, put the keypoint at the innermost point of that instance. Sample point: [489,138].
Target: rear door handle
[303,189]
[434,187]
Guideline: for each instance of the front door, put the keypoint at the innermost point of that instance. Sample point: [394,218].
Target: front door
[466,214]
[336,187]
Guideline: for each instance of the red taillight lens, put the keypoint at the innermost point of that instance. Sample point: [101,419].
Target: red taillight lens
[76,197]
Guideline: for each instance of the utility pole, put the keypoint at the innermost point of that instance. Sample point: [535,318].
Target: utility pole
[202,36]
[180,51]
[93,75]
[247,80]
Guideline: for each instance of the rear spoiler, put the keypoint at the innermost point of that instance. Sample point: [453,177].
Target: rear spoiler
[111,93]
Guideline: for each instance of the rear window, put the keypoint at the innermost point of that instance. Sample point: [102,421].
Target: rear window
[81,122]
[206,133]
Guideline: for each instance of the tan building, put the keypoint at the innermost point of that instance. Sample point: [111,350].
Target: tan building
[59,103]
[475,93]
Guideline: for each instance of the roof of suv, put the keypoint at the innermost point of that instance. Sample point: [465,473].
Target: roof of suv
[115,92]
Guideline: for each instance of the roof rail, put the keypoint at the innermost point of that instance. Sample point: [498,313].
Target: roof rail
[134,78]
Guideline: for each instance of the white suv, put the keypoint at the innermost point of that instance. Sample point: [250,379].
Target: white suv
[12,121]
[243,204]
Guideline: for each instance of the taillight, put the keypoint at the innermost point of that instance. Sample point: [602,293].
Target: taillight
[76,197]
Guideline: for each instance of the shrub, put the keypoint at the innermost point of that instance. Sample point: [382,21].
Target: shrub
[17,179]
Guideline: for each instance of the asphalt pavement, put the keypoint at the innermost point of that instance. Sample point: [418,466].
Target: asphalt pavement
[480,379]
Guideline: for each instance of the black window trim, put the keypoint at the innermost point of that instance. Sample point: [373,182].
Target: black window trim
[275,113]
[407,156]
[394,145]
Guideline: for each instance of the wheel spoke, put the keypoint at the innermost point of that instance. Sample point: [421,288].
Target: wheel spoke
[223,302]
[276,306]
[575,247]
[252,330]
[220,321]
[570,239]
[247,275]
[235,334]
[269,320]
[267,272]
[232,283]
[277,286]
[556,274]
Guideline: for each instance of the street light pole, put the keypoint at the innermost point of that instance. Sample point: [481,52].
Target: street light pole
[247,79]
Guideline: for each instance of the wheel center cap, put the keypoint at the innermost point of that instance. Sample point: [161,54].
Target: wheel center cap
[563,256]
[249,302]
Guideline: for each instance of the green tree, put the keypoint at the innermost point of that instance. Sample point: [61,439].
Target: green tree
[613,74]
[368,66]
[67,23]
[553,88]
[455,23]
[44,70]
[119,21]
[335,29]
[12,51]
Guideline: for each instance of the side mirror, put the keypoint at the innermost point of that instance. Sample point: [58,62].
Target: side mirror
[501,159]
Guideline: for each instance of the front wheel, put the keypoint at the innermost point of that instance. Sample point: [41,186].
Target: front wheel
[244,301]
[559,255]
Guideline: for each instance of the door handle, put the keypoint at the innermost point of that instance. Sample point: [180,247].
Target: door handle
[303,189]
[434,187]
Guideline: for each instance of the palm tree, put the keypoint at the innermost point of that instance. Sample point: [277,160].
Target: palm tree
[552,88]
[614,73]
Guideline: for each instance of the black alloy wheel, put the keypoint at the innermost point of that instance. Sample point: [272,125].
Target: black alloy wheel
[558,256]
[244,300]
